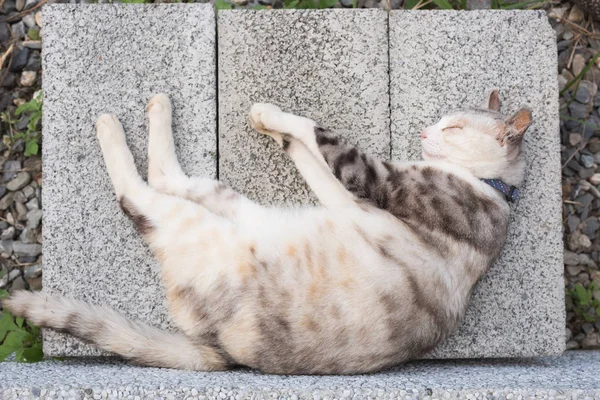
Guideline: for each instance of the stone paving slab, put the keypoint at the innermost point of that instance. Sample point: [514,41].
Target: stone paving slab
[441,60]
[574,375]
[112,58]
[329,65]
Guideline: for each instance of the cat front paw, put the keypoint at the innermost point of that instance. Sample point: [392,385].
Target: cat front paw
[109,128]
[262,116]
[159,106]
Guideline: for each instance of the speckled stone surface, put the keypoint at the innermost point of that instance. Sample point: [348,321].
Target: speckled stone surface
[442,60]
[112,58]
[574,375]
[329,65]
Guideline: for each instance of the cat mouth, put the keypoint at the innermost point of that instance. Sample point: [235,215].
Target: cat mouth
[434,156]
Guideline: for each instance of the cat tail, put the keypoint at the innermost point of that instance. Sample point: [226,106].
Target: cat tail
[112,332]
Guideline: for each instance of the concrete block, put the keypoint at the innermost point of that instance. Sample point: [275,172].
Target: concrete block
[442,60]
[329,65]
[112,58]
[572,376]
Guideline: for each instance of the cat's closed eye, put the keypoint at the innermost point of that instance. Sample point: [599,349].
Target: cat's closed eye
[452,127]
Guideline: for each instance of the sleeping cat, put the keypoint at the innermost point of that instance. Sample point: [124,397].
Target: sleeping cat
[379,274]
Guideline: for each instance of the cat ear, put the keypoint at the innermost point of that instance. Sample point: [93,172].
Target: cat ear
[493,101]
[516,126]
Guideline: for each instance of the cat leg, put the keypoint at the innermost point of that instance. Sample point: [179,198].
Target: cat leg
[166,176]
[359,173]
[145,206]
[268,119]
[328,190]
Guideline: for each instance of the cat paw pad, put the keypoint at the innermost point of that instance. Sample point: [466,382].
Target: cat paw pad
[158,105]
[108,127]
[257,116]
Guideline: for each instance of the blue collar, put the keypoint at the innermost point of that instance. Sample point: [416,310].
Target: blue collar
[510,192]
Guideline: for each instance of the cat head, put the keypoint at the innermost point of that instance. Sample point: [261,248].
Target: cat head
[482,140]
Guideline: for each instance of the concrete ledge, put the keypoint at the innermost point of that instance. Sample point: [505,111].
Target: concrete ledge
[112,58]
[574,375]
[443,60]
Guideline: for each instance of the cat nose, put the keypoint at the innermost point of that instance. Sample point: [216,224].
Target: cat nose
[424,134]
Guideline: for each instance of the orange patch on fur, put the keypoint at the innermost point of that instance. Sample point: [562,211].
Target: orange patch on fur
[348,283]
[241,337]
[342,255]
[160,254]
[291,250]
[246,270]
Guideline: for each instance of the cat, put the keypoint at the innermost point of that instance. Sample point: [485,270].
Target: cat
[379,274]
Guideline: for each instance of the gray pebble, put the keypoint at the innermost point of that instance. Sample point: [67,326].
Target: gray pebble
[28,236]
[577,110]
[579,337]
[28,191]
[20,197]
[33,204]
[585,259]
[586,173]
[23,121]
[10,169]
[571,345]
[4,32]
[592,341]
[18,284]
[34,63]
[27,249]
[34,217]
[572,223]
[3,276]
[21,211]
[18,32]
[4,225]
[33,271]
[583,94]
[19,182]
[8,234]
[19,60]
[571,258]
[572,125]
[574,270]
[590,226]
[588,328]
[568,334]
[30,3]
[28,259]
[346,3]
[7,201]
[10,81]
[12,275]
[6,246]
[563,44]
[587,161]
[29,21]
[19,5]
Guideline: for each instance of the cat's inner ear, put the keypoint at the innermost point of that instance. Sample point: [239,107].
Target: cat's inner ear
[516,126]
[493,101]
